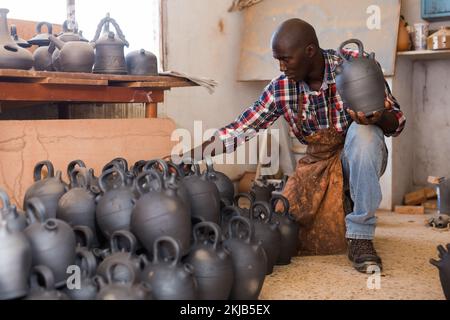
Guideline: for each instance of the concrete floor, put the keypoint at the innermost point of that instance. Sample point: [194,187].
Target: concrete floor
[405,245]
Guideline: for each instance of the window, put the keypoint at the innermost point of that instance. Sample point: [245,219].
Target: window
[138,19]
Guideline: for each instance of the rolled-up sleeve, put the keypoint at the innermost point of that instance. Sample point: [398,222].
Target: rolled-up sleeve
[394,107]
[259,116]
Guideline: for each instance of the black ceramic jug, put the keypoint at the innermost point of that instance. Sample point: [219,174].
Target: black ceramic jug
[169,279]
[113,290]
[204,195]
[52,241]
[48,190]
[160,212]
[249,260]
[114,207]
[267,231]
[123,251]
[289,229]
[360,81]
[213,267]
[77,206]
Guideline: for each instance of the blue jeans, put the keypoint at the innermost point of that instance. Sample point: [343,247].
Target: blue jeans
[364,160]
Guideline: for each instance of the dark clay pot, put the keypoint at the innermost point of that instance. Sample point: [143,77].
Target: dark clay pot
[169,280]
[112,290]
[204,195]
[123,251]
[160,212]
[114,207]
[142,63]
[213,267]
[77,206]
[221,180]
[267,231]
[289,229]
[444,268]
[42,55]
[15,262]
[360,81]
[48,190]
[249,260]
[42,284]
[52,241]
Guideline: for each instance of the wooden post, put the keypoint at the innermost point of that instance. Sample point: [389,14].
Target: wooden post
[151,110]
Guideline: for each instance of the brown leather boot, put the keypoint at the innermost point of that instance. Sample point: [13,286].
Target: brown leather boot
[363,255]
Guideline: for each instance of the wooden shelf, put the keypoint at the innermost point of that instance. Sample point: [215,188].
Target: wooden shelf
[424,54]
[42,86]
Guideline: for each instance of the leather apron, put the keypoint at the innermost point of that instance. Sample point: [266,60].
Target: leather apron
[316,192]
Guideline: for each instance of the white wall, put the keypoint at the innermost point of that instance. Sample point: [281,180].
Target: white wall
[203,39]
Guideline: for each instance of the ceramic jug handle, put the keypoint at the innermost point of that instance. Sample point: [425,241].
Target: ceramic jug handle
[86,261]
[119,32]
[234,226]
[5,200]
[248,196]
[149,176]
[194,163]
[357,42]
[274,201]
[162,165]
[35,210]
[138,167]
[172,242]
[47,24]
[76,175]
[101,182]
[43,273]
[73,164]
[122,162]
[211,226]
[228,211]
[176,168]
[37,173]
[125,235]
[264,207]
[84,236]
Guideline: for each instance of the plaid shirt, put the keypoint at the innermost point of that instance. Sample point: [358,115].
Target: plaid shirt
[281,97]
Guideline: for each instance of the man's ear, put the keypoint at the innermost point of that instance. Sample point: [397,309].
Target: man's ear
[311,50]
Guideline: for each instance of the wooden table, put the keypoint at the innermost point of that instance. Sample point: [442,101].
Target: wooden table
[22,86]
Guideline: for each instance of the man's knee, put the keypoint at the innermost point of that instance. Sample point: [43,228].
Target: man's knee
[365,139]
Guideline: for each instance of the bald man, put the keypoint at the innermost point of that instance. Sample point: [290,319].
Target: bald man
[346,152]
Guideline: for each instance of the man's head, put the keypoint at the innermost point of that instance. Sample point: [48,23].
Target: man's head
[295,45]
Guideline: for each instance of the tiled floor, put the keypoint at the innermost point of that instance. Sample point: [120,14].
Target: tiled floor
[405,244]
